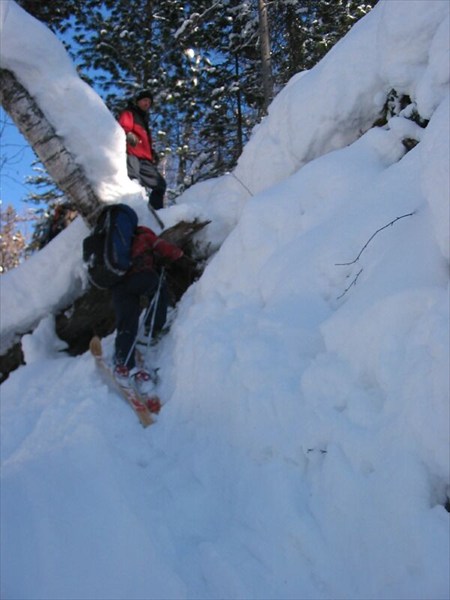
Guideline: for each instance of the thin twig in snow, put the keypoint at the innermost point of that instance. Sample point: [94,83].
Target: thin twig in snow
[371,238]
[351,285]
[241,182]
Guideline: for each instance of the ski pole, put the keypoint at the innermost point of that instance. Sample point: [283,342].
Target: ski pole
[156,296]
[153,305]
[158,220]
[141,326]
[156,302]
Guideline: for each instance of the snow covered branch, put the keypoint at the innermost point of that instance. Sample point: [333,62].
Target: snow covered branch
[48,146]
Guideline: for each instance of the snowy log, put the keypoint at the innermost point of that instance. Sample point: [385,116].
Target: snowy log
[48,146]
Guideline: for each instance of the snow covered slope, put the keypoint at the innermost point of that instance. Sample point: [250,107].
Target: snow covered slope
[303,448]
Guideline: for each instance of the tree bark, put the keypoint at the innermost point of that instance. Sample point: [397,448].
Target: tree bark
[266,59]
[240,135]
[48,146]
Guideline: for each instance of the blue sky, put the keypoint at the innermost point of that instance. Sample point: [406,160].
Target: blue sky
[16,158]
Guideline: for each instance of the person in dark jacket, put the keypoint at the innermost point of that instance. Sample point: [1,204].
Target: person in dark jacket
[141,157]
[141,280]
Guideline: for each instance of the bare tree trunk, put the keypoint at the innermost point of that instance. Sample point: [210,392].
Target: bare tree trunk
[48,146]
[240,136]
[266,60]
[147,72]
[186,136]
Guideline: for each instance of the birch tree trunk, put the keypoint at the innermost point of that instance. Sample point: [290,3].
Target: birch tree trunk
[266,59]
[48,146]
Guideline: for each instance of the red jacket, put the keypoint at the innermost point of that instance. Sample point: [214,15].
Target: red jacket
[131,123]
[145,244]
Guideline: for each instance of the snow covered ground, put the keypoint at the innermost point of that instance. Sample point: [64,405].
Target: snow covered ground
[303,449]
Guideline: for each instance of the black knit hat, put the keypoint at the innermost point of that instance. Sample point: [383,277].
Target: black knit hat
[144,94]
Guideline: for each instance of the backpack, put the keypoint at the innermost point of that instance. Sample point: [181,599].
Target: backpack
[107,251]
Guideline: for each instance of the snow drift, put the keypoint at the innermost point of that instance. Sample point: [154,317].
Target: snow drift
[302,451]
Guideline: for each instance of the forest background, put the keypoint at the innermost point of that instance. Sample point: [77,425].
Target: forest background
[213,68]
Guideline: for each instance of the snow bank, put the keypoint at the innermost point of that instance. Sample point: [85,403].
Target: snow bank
[25,297]
[394,47]
[302,451]
[435,177]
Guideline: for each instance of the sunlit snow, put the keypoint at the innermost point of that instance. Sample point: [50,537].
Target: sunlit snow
[303,448]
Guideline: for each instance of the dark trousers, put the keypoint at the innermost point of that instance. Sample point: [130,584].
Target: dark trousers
[126,297]
[148,175]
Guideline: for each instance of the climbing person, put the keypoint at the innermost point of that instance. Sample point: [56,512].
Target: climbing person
[141,280]
[142,159]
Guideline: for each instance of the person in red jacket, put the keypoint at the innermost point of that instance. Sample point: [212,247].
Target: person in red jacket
[141,280]
[141,156]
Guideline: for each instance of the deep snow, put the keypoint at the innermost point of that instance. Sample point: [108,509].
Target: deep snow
[303,450]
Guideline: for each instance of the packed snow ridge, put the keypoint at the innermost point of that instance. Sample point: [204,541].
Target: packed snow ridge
[302,451]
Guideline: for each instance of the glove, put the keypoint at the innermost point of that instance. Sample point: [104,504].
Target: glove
[132,139]
[168,259]
[177,253]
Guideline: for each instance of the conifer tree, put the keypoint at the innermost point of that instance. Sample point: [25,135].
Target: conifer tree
[203,62]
